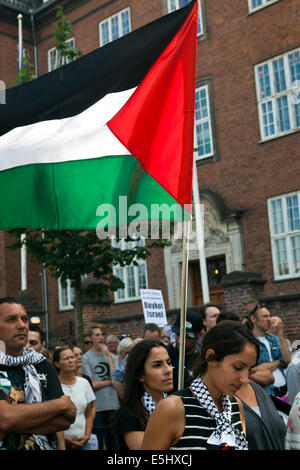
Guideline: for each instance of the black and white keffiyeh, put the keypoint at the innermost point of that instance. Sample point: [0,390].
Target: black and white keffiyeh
[32,385]
[149,403]
[225,432]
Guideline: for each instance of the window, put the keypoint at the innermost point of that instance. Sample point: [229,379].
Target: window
[258,4]
[284,219]
[66,296]
[114,27]
[277,88]
[176,4]
[134,277]
[55,59]
[203,127]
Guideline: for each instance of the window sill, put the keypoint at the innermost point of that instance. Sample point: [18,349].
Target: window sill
[65,309]
[262,7]
[125,301]
[286,279]
[280,136]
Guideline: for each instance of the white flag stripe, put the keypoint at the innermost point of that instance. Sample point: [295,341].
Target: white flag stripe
[80,137]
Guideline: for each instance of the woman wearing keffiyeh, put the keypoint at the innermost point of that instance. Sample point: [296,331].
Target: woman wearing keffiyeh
[148,378]
[207,415]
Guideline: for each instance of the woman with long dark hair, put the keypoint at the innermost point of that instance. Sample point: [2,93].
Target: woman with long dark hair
[207,416]
[148,378]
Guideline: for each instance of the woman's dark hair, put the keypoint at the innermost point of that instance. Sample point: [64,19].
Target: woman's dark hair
[227,337]
[135,369]
[56,354]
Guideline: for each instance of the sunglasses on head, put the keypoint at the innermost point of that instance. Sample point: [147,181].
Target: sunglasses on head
[125,335]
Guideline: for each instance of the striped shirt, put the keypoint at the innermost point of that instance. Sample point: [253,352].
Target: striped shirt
[198,424]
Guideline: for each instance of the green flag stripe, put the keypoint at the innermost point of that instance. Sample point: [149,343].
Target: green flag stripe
[71,192]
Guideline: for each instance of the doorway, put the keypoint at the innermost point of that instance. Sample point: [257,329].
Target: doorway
[216,269]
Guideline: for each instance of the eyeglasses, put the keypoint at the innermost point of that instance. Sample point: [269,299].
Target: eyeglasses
[88,342]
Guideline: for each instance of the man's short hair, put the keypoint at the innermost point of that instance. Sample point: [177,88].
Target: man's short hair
[9,300]
[152,327]
[204,307]
[37,329]
[99,326]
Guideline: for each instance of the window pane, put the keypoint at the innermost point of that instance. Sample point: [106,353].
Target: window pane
[172,5]
[296,108]
[71,294]
[125,22]
[142,281]
[294,63]
[268,119]
[64,296]
[293,213]
[131,290]
[281,256]
[277,216]
[120,294]
[283,114]
[279,75]
[104,33]
[295,242]
[264,81]
[203,139]
[256,3]
[114,28]
[182,3]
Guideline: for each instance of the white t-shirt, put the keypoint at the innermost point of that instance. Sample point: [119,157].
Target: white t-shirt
[279,379]
[81,393]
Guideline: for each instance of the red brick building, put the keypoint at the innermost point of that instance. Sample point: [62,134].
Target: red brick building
[247,126]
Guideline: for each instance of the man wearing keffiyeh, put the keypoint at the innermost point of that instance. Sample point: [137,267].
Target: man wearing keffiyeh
[30,382]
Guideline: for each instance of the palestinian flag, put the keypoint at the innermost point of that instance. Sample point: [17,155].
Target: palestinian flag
[117,122]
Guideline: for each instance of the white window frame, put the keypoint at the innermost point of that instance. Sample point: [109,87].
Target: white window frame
[291,93]
[70,295]
[264,4]
[125,270]
[285,235]
[174,5]
[108,22]
[54,64]
[201,121]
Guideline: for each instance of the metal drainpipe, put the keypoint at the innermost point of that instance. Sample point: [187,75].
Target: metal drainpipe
[44,272]
[35,49]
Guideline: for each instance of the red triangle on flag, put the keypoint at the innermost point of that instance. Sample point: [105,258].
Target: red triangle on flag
[157,123]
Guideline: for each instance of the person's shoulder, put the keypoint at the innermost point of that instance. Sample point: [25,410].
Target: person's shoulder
[171,405]
[45,366]
[272,338]
[88,354]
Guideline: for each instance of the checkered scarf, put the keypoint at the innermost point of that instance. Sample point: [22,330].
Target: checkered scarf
[225,432]
[32,385]
[148,402]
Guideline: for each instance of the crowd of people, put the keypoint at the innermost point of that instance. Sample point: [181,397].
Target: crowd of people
[241,385]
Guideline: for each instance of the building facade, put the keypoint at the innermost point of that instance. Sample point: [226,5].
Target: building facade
[247,122]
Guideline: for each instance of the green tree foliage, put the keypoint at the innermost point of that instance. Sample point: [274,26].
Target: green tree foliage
[26,73]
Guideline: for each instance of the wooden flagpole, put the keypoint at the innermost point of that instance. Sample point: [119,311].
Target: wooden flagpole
[184,285]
